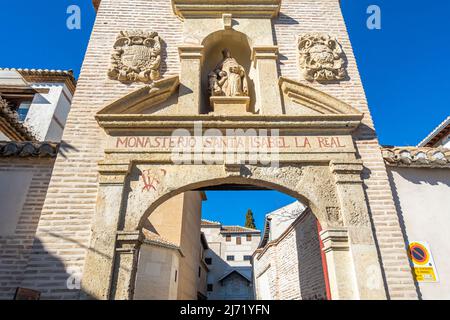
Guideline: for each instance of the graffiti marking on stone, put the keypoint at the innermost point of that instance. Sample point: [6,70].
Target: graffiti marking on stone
[151,179]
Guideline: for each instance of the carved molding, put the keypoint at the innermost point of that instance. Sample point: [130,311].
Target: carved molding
[317,100]
[335,240]
[238,8]
[113,173]
[136,57]
[347,172]
[143,98]
[129,241]
[321,58]
[232,169]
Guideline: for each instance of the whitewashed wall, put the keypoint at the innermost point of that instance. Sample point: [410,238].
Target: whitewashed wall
[48,111]
[422,197]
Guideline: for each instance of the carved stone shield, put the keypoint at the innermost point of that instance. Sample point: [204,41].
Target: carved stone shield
[136,57]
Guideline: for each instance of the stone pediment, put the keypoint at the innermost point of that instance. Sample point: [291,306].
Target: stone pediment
[316,101]
[215,8]
[144,98]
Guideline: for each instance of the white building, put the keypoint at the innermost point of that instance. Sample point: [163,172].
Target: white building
[420,181]
[439,137]
[229,260]
[289,263]
[34,105]
[41,99]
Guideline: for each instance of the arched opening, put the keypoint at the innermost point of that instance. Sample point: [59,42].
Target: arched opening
[199,245]
[240,47]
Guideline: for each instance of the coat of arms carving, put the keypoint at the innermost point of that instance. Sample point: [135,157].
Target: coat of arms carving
[321,58]
[136,57]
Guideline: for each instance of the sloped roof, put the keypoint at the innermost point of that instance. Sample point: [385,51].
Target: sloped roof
[207,223]
[238,229]
[11,126]
[228,229]
[416,157]
[96,4]
[229,273]
[47,75]
[437,134]
[28,149]
[155,239]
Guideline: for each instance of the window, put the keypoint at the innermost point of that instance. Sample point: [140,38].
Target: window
[249,237]
[238,240]
[228,238]
[176,275]
[208,261]
[209,287]
[23,109]
[230,258]
[199,272]
[247,258]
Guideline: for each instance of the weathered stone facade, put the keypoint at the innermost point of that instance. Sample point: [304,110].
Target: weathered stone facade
[97,202]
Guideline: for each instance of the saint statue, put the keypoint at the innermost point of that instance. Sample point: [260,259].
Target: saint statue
[229,78]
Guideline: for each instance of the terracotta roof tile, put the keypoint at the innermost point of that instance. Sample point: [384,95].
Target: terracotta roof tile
[38,75]
[28,149]
[156,239]
[10,122]
[210,223]
[238,229]
[417,157]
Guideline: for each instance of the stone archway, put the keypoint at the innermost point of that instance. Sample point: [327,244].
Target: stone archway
[124,203]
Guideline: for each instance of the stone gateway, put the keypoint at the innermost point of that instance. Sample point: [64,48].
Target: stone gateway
[287,65]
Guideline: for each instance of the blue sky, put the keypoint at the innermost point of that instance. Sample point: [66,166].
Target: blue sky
[405,69]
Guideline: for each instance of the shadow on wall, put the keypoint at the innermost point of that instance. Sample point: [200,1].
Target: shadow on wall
[402,227]
[65,282]
[433,177]
[65,148]
[310,269]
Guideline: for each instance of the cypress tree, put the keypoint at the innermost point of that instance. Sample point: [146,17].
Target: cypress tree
[249,220]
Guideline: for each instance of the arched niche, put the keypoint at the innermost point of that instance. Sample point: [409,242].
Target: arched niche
[240,46]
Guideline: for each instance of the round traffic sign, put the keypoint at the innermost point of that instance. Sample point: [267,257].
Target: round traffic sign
[418,253]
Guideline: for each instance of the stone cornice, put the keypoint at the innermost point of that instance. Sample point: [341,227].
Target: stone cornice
[216,8]
[335,240]
[347,171]
[113,173]
[312,124]
[413,157]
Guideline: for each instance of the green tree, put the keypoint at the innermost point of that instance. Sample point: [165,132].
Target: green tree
[249,220]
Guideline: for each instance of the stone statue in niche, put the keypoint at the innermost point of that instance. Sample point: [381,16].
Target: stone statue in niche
[321,58]
[136,57]
[228,78]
